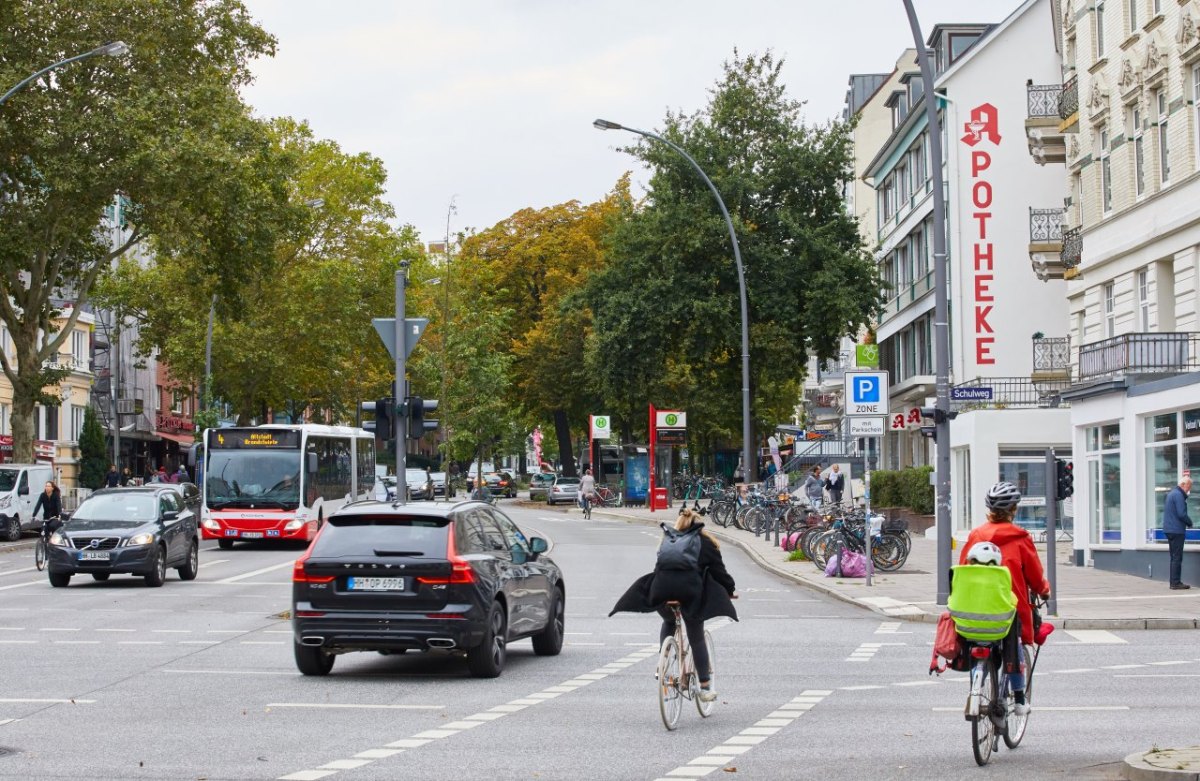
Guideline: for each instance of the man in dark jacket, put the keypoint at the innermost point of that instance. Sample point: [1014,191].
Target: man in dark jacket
[1175,525]
[703,593]
[113,477]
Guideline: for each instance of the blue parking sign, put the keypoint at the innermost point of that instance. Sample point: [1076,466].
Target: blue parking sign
[866,390]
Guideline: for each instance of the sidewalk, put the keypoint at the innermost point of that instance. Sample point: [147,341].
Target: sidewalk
[1087,598]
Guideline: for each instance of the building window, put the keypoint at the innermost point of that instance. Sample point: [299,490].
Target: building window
[1196,107]
[1104,482]
[76,422]
[1172,447]
[1156,6]
[902,183]
[1099,29]
[1139,157]
[1164,147]
[1105,171]
[79,349]
[1143,285]
[1110,313]
[177,401]
[1133,14]
[4,420]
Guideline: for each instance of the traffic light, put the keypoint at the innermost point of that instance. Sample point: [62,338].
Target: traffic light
[382,425]
[929,429]
[418,424]
[1064,473]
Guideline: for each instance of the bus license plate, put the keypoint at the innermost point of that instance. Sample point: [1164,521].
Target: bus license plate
[376,584]
[252,535]
[94,555]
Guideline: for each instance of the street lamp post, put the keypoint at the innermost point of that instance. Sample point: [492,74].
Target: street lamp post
[747,443]
[941,318]
[114,49]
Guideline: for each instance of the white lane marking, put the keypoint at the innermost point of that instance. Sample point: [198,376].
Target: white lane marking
[723,754]
[858,688]
[204,564]
[1169,664]
[364,706]
[12,629]
[253,573]
[1122,666]
[17,642]
[378,753]
[15,571]
[172,631]
[60,629]
[116,630]
[1095,636]
[53,702]
[1073,671]
[75,642]
[139,642]
[1052,707]
[228,631]
[21,585]
[233,672]
[453,728]
[867,651]
[7,721]
[1160,675]
[198,642]
[890,628]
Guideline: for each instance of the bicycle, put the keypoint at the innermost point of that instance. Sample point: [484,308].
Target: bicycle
[585,502]
[41,549]
[607,497]
[676,674]
[990,705]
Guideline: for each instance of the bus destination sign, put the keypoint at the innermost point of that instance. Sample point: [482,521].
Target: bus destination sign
[251,439]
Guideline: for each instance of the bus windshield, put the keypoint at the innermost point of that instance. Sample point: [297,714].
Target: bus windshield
[252,478]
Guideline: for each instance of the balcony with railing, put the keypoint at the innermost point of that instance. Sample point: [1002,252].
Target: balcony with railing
[1138,354]
[1068,105]
[1043,131]
[1008,392]
[1045,243]
[1072,252]
[906,295]
[1051,358]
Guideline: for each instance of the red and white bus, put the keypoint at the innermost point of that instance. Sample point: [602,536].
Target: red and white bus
[280,482]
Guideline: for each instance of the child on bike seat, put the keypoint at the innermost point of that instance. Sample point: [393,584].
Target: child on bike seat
[1014,550]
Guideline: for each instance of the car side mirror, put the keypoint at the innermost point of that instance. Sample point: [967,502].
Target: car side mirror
[519,555]
[538,545]
[170,515]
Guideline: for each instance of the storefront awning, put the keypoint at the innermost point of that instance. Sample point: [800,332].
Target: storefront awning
[186,439]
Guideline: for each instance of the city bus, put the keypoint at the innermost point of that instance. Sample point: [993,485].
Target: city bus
[280,482]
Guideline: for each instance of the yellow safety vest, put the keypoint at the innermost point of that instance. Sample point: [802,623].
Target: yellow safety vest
[982,602]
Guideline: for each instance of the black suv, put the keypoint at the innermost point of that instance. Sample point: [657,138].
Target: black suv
[135,531]
[457,577]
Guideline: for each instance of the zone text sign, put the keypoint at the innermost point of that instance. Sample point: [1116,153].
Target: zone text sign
[866,394]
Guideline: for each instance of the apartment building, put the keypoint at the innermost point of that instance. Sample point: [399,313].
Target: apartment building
[1127,133]
[1001,320]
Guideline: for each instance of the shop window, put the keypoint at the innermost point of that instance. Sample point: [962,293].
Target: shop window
[1172,447]
[1104,482]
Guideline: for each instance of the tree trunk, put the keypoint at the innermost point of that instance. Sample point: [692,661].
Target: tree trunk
[24,407]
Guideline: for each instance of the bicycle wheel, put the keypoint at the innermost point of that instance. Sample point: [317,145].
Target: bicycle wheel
[706,708]
[39,554]
[756,520]
[670,698]
[888,553]
[983,732]
[1016,724]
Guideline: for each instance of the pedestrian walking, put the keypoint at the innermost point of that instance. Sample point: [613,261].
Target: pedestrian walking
[1175,523]
[113,477]
[126,476]
[814,487]
[836,483]
[180,476]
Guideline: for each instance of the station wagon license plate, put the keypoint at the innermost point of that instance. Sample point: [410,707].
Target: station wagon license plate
[94,555]
[252,535]
[375,584]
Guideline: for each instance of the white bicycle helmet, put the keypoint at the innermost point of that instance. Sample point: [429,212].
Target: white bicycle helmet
[1002,496]
[984,553]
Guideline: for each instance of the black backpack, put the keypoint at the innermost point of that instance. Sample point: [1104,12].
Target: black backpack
[679,550]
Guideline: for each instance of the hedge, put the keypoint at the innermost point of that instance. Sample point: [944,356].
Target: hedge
[907,488]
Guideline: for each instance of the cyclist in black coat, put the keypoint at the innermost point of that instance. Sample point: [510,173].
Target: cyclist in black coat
[50,504]
[703,593]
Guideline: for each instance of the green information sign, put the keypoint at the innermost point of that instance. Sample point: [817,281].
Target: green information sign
[866,356]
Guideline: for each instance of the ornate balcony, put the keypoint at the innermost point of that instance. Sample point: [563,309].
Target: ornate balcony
[1138,353]
[1047,142]
[1045,243]
[1068,106]
[1072,252]
[1051,359]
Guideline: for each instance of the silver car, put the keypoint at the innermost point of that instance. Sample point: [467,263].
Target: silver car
[565,489]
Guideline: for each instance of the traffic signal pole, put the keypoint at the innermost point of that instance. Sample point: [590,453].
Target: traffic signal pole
[1052,528]
[400,430]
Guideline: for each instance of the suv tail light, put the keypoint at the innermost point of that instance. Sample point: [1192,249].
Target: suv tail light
[300,576]
[460,568]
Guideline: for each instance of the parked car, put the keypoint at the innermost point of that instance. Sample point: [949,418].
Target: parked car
[439,483]
[134,531]
[565,489]
[501,484]
[418,484]
[539,486]
[20,486]
[455,577]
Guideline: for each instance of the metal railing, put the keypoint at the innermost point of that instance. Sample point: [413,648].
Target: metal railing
[1042,99]
[1138,353]
[907,295]
[1068,99]
[1072,247]
[1051,353]
[1005,392]
[1045,226]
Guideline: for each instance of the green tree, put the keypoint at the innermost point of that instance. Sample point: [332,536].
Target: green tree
[673,338]
[93,455]
[296,334]
[163,125]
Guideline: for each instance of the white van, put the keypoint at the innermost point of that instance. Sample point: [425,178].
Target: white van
[20,486]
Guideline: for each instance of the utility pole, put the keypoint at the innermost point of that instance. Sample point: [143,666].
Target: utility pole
[401,433]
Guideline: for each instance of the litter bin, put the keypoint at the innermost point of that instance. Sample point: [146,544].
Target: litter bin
[660,498]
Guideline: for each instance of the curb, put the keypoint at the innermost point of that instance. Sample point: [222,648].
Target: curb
[921,617]
[1136,768]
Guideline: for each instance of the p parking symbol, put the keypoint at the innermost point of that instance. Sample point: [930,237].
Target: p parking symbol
[866,390]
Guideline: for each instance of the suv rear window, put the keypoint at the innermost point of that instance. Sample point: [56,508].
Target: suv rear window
[397,535]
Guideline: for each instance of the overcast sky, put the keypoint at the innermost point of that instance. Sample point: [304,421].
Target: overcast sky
[492,102]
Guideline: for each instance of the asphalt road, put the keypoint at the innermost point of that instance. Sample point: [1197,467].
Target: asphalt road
[196,681]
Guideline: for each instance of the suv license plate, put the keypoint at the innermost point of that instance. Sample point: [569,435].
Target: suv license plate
[94,555]
[252,535]
[375,584]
